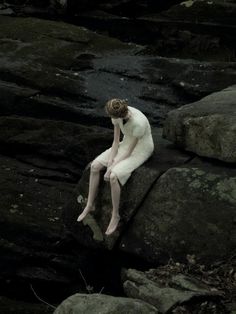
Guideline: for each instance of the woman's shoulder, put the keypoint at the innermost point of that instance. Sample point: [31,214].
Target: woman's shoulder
[133,109]
[137,114]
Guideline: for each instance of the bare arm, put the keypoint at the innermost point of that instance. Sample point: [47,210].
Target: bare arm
[115,144]
[127,153]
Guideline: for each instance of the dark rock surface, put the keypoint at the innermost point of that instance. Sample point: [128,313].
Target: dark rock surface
[179,290]
[62,147]
[58,71]
[190,210]
[54,80]
[202,29]
[126,7]
[199,29]
[38,174]
[12,307]
[91,231]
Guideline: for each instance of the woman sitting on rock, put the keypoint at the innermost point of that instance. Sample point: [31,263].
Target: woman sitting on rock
[122,158]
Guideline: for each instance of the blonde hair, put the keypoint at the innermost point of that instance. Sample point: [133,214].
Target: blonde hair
[117,108]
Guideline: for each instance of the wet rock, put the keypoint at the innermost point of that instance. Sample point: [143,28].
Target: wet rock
[90,232]
[206,127]
[202,30]
[63,72]
[100,303]
[189,211]
[179,289]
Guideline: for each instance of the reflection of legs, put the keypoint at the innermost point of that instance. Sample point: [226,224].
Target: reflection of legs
[93,187]
[115,195]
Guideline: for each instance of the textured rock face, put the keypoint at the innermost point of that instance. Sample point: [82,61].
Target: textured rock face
[126,5]
[91,231]
[12,307]
[63,72]
[99,303]
[190,210]
[207,127]
[200,11]
[199,29]
[37,178]
[55,78]
[178,290]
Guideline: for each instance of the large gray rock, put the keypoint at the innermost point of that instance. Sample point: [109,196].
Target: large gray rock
[190,210]
[104,304]
[206,127]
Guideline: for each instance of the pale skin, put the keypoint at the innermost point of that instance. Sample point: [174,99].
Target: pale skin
[96,167]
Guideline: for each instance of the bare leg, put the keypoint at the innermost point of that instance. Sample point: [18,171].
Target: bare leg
[93,187]
[115,195]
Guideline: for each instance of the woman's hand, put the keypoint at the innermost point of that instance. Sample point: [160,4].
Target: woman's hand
[107,174]
[110,162]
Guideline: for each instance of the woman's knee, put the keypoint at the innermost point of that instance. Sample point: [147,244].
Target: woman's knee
[96,166]
[113,178]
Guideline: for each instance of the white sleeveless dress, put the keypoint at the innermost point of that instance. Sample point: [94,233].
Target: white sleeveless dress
[136,127]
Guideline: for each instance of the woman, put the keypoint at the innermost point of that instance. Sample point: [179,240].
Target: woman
[122,158]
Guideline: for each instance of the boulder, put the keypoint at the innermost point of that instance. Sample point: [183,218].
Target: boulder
[105,304]
[206,127]
[90,232]
[190,210]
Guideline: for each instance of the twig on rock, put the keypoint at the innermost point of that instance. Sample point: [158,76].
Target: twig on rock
[52,306]
[88,287]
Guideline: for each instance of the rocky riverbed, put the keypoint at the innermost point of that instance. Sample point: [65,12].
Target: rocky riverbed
[174,250]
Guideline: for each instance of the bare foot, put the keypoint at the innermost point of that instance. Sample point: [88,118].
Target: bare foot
[85,212]
[113,224]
